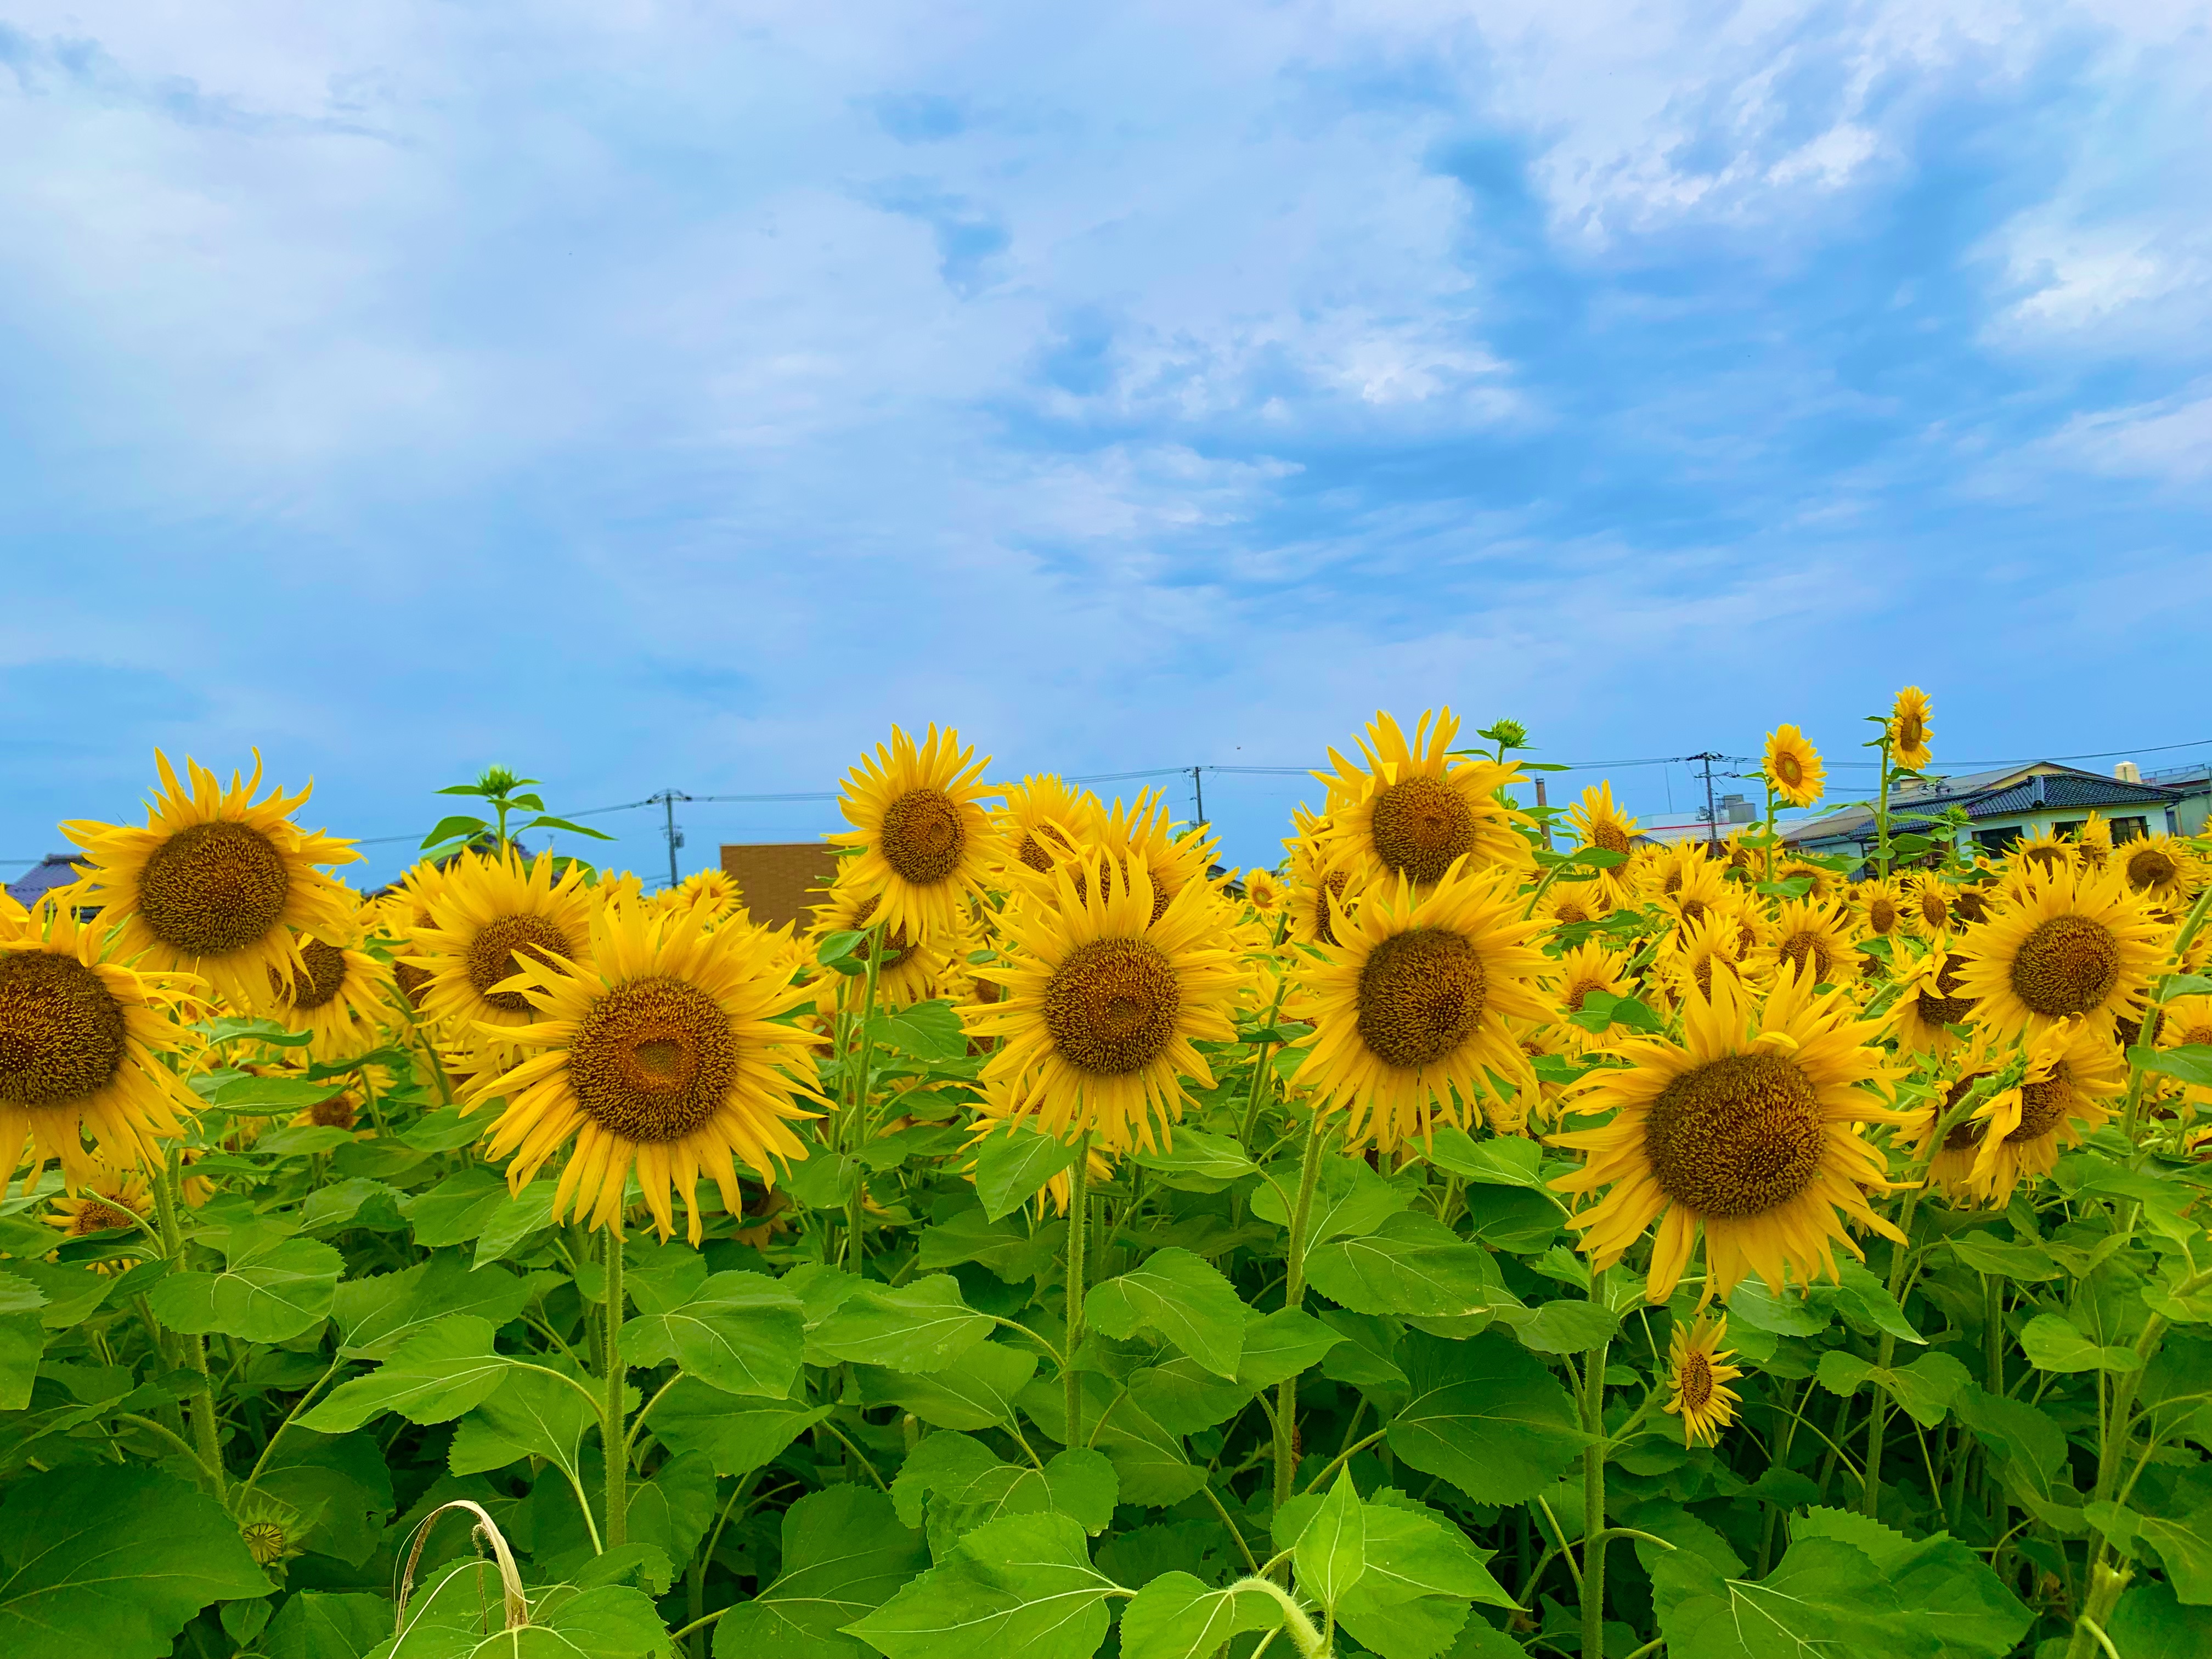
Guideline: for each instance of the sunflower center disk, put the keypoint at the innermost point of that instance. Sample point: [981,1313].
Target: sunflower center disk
[1736,1137]
[2043,1106]
[1420,826]
[1032,853]
[336,1113]
[897,948]
[2197,1034]
[1801,948]
[323,980]
[98,1218]
[213,888]
[1609,837]
[1933,911]
[2067,966]
[652,1060]
[2151,868]
[1696,1381]
[1946,1010]
[1421,995]
[493,950]
[1881,916]
[1111,1007]
[61,1030]
[923,837]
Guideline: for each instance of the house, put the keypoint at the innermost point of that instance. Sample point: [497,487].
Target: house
[2011,803]
[55,869]
[778,880]
[2195,783]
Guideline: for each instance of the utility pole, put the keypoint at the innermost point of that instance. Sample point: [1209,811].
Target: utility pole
[1713,825]
[1541,802]
[1197,786]
[668,798]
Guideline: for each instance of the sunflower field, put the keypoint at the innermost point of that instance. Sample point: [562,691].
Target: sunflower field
[1487,1232]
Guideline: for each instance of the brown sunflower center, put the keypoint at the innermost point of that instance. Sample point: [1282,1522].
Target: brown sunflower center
[1032,853]
[213,888]
[1570,909]
[1579,990]
[1420,826]
[2197,1034]
[324,978]
[1971,906]
[2044,1106]
[2048,858]
[923,837]
[413,981]
[1805,947]
[1421,994]
[1609,837]
[1966,1135]
[1788,770]
[494,951]
[1695,910]
[1947,1009]
[2069,965]
[897,948]
[1111,1007]
[2149,867]
[61,1030]
[1933,911]
[652,1060]
[97,1216]
[1695,1380]
[336,1113]
[1324,928]
[1911,730]
[1736,1137]
[1881,915]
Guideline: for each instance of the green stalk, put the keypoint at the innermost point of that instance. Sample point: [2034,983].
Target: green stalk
[1596,1534]
[1294,1296]
[1079,1216]
[2151,1015]
[1878,1409]
[857,1128]
[173,1247]
[1770,828]
[617,1376]
[1881,817]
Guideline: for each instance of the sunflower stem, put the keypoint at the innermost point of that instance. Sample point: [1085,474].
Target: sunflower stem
[1770,828]
[857,1127]
[204,1428]
[1900,1254]
[1882,820]
[1078,1216]
[610,1413]
[1294,1296]
[1596,1534]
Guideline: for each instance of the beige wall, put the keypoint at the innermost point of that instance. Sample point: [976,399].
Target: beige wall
[779,879]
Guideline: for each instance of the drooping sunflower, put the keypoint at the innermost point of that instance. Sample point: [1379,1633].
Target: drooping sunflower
[1748,1129]
[1413,1006]
[2093,842]
[1323,880]
[1793,766]
[1414,809]
[338,995]
[488,913]
[1598,823]
[2064,944]
[1880,905]
[2161,868]
[1950,1165]
[926,844]
[1908,728]
[1807,938]
[1931,1004]
[912,971]
[111,1202]
[1698,1377]
[1103,1000]
[2072,1072]
[217,884]
[80,1040]
[1042,821]
[660,1050]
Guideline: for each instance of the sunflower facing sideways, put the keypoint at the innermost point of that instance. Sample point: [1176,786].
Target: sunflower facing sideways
[911,970]
[663,1053]
[1748,1129]
[1793,767]
[1598,823]
[2161,868]
[1415,809]
[2064,944]
[110,1203]
[1930,1004]
[2072,1072]
[336,996]
[487,915]
[1414,1005]
[1103,1000]
[217,884]
[79,1038]
[1699,1375]
[1908,729]
[1042,821]
[924,843]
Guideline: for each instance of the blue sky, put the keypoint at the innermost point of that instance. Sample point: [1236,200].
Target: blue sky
[658,394]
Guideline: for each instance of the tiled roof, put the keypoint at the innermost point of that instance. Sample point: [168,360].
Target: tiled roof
[2036,786]
[55,870]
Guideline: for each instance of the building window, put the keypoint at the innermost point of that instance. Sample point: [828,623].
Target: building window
[2070,828]
[2129,829]
[1997,842]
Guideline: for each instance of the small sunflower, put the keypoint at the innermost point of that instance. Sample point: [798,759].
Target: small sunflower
[1414,1005]
[1321,881]
[2186,1022]
[2072,1071]
[1043,821]
[1881,906]
[338,996]
[661,1049]
[337,1111]
[998,1114]
[489,915]
[112,1202]
[926,843]
[1807,938]
[217,884]
[1927,905]
[912,971]
[1566,904]
[710,894]
[1793,766]
[1143,835]
[1950,1166]
[1688,885]
[1103,1000]
[1748,1127]
[1699,1375]
[2043,851]
[1908,728]
[1414,808]
[1931,1004]
[1598,823]
[80,1045]
[2092,842]
[1696,952]
[1822,881]
[1263,890]
[2161,868]
[2067,944]
[1587,967]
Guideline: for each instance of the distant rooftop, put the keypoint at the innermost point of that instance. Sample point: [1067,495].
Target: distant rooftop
[55,869]
[2008,791]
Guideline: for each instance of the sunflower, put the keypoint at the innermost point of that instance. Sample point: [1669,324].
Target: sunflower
[2161,868]
[1694,953]
[1908,728]
[710,894]
[658,1047]
[111,1202]
[2066,943]
[217,884]
[1598,823]
[1950,1166]
[1323,880]
[489,915]
[1822,880]
[998,1113]
[1793,766]
[1931,1004]
[2186,1022]
[926,843]
[337,1111]
[2072,1071]
[911,970]
[1748,1127]
[2044,850]
[1698,1374]
[1927,900]
[1263,890]
[1103,1000]
[80,1045]
[1688,885]
[1587,967]
[336,996]
[1975,903]
[1566,903]
[1413,1007]
[1881,906]
[2092,842]
[1808,938]
[1043,821]
[1144,836]
[1414,809]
